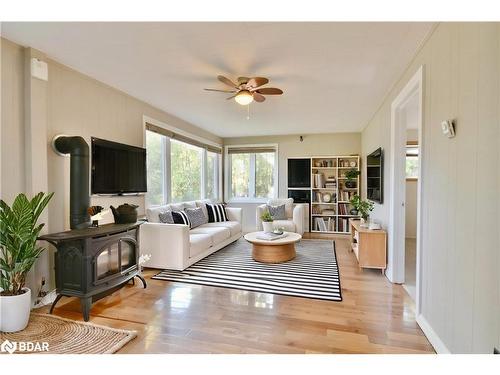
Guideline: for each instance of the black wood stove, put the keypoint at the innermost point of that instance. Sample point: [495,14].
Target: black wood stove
[91,263]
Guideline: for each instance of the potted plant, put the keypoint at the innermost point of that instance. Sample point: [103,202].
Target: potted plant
[18,253]
[267,221]
[351,175]
[354,201]
[363,207]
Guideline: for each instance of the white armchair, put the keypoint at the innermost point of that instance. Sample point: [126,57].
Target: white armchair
[296,215]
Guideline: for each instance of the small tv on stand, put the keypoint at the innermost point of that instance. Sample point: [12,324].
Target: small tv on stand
[375,176]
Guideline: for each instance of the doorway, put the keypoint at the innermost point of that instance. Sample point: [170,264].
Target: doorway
[405,201]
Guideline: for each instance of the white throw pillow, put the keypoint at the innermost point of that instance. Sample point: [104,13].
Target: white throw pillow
[153,212]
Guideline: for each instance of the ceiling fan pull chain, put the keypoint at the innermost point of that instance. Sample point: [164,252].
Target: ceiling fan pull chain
[248,112]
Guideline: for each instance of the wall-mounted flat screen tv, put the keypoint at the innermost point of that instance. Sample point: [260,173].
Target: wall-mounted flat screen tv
[375,176]
[117,168]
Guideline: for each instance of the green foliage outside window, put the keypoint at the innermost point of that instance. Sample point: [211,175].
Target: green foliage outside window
[154,160]
[186,171]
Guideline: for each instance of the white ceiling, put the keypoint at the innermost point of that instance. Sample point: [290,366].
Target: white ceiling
[334,75]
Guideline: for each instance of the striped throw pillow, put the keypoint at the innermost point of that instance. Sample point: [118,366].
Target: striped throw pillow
[216,213]
[181,217]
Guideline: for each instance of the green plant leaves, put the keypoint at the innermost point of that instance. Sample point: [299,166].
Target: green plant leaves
[19,231]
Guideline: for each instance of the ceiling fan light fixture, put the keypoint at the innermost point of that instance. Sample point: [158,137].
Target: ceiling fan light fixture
[244,97]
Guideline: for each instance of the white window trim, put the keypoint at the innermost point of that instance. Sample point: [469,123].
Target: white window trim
[227,174]
[167,188]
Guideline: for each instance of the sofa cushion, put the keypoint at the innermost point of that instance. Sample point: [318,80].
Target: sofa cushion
[196,216]
[216,213]
[202,203]
[288,202]
[190,204]
[233,226]
[166,217]
[177,206]
[153,212]
[287,225]
[198,243]
[277,212]
[180,217]
[218,234]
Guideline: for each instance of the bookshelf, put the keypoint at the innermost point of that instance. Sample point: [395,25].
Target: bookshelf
[330,208]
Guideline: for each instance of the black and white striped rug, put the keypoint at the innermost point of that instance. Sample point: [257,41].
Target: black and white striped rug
[313,273]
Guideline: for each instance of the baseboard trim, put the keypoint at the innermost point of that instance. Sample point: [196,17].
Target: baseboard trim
[432,336]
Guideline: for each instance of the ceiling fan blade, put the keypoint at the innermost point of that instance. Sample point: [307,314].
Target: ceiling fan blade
[228,91]
[242,80]
[258,97]
[269,91]
[227,81]
[231,97]
[257,81]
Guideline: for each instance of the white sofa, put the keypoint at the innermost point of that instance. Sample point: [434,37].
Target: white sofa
[175,246]
[296,215]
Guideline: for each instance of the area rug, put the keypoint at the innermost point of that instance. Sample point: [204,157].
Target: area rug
[65,336]
[313,273]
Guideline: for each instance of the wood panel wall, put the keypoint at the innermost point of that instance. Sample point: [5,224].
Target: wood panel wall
[460,293]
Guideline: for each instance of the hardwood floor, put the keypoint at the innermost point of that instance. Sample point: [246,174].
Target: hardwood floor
[375,316]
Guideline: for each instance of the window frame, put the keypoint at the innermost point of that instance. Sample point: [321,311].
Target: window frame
[412,145]
[167,165]
[228,174]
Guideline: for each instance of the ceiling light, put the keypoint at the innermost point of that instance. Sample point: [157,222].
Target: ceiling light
[244,97]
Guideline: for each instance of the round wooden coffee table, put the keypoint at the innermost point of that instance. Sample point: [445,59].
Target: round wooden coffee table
[276,251]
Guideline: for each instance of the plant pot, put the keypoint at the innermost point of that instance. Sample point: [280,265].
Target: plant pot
[15,311]
[353,211]
[350,184]
[268,226]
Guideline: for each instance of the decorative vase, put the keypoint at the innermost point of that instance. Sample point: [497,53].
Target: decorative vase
[15,311]
[353,211]
[268,226]
[350,184]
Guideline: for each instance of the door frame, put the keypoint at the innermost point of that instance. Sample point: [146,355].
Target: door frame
[396,249]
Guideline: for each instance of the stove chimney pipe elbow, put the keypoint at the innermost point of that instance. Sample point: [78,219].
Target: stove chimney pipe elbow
[78,150]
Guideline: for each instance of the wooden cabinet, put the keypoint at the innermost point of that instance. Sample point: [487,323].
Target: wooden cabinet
[369,246]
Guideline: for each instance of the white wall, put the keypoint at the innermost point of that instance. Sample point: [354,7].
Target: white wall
[72,104]
[460,177]
[290,146]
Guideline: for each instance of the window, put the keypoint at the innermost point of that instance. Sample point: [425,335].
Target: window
[178,169]
[155,164]
[412,161]
[251,173]
[186,171]
[212,179]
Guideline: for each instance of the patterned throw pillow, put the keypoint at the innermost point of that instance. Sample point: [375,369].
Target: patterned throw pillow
[180,217]
[196,216]
[166,217]
[216,213]
[277,212]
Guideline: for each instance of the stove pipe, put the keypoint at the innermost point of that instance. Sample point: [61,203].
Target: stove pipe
[79,196]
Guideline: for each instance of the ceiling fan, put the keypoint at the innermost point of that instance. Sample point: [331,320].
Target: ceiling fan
[248,89]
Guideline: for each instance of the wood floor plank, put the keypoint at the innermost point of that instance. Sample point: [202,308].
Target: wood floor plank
[375,316]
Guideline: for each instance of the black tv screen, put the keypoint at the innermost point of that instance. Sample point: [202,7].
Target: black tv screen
[375,176]
[299,173]
[117,168]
